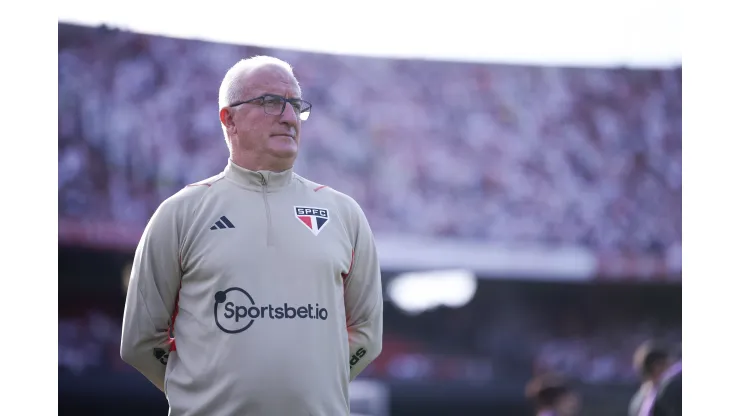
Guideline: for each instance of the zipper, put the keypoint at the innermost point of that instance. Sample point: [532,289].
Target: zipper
[267,209]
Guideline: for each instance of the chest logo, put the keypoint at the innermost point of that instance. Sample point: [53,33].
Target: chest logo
[313,218]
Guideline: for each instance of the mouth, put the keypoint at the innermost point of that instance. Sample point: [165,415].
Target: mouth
[284,135]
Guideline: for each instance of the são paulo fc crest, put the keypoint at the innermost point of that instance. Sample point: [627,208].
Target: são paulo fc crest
[313,218]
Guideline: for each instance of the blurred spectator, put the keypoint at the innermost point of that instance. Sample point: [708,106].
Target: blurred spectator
[660,392]
[552,396]
[669,394]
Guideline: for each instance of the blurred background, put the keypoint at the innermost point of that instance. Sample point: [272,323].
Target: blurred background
[528,217]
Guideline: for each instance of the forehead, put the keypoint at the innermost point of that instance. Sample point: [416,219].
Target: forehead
[271,80]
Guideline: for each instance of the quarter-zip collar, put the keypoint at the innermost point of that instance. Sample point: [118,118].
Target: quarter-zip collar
[262,180]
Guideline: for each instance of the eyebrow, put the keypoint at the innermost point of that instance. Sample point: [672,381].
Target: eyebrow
[280,95]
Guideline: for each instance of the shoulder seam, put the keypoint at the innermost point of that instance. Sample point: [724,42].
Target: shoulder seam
[215,178]
[310,184]
[200,201]
[192,212]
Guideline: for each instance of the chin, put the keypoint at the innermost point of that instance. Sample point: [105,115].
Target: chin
[285,152]
[283,146]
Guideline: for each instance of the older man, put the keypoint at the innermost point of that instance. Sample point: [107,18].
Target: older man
[256,291]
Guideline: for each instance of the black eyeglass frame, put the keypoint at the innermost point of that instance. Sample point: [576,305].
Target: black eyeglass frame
[300,106]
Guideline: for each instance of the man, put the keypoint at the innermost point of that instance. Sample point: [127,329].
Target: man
[256,291]
[552,396]
[652,361]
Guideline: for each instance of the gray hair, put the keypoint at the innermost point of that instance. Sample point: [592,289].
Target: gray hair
[230,89]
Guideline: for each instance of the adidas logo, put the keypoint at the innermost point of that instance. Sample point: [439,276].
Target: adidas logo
[223,222]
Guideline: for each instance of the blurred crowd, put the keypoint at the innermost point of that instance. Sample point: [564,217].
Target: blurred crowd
[511,154]
[588,333]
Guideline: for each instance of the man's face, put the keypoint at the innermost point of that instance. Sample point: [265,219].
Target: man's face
[273,138]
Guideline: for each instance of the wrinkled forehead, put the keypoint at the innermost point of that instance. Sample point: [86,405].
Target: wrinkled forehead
[271,79]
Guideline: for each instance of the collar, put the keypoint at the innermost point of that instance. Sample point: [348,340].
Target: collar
[258,180]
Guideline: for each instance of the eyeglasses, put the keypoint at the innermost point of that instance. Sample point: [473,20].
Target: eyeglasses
[274,105]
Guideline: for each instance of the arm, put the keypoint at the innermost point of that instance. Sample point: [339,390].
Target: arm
[150,301]
[363,300]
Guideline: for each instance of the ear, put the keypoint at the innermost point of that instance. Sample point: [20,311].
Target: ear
[227,119]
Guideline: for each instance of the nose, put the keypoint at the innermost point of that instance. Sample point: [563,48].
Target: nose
[289,116]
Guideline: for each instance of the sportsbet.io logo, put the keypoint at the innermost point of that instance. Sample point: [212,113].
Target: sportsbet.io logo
[235,311]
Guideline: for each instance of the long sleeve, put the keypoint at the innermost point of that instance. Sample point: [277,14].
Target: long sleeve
[363,300]
[151,297]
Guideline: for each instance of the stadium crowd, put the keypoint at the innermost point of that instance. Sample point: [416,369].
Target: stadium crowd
[512,154]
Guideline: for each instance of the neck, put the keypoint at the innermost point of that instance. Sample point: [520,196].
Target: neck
[254,162]
[262,180]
